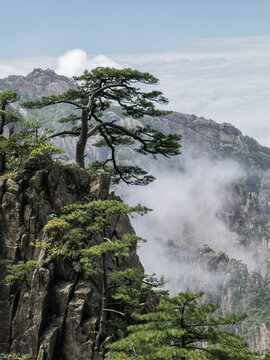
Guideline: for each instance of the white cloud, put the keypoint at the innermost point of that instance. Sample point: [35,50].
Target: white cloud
[72,62]
[75,61]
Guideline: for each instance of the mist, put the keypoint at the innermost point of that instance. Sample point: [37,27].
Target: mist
[188,197]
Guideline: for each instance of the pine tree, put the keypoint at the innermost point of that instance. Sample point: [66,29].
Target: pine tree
[97,90]
[81,230]
[30,147]
[7,97]
[19,273]
[182,329]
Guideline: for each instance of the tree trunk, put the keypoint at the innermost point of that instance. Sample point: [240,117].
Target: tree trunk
[82,140]
[103,313]
[104,300]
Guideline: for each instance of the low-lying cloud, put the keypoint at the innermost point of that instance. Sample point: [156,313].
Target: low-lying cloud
[187,202]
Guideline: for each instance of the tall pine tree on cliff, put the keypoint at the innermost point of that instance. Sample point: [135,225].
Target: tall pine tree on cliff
[97,90]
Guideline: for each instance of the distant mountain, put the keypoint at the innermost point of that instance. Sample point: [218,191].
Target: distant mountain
[36,84]
[224,138]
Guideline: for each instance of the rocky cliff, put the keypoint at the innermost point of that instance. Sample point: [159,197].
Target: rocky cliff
[57,316]
[36,84]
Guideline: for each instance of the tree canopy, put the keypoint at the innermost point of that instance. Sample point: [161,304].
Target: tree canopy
[183,329]
[82,230]
[99,89]
[7,97]
[30,147]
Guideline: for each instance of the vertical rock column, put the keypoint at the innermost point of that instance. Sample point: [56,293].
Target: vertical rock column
[9,238]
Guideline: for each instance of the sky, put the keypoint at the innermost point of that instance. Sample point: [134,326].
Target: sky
[212,56]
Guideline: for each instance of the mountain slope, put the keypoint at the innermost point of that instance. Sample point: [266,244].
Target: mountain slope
[36,84]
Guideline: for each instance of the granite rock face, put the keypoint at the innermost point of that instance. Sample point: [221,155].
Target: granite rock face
[229,283]
[264,195]
[204,132]
[38,83]
[57,317]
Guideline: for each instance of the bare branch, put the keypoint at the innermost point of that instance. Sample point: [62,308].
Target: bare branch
[73,133]
[115,311]
[96,127]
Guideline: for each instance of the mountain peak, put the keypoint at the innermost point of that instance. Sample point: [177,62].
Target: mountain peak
[37,83]
[39,71]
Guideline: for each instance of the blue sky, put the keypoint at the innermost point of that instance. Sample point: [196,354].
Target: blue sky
[39,27]
[212,56]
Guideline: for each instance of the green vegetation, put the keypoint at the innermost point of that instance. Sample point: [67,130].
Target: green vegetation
[14,357]
[96,92]
[258,302]
[79,222]
[30,147]
[82,231]
[19,274]
[251,229]
[183,329]
[255,156]
[246,295]
[48,115]
[259,156]
[255,159]
[7,97]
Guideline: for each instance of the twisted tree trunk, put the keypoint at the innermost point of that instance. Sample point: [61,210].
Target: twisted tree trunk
[81,144]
